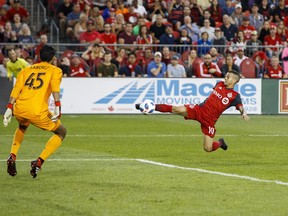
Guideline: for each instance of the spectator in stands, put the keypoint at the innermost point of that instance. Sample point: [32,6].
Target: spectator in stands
[43,41]
[215,56]
[156,68]
[229,30]
[280,11]
[216,11]
[239,57]
[166,55]
[274,70]
[18,9]
[101,4]
[175,11]
[228,8]
[192,28]
[272,42]
[144,37]
[219,41]
[207,28]
[260,64]
[229,65]
[122,9]
[266,10]
[3,15]
[186,12]
[206,15]
[282,31]
[26,39]
[256,19]
[237,15]
[118,27]
[7,36]
[16,24]
[95,15]
[107,10]
[112,19]
[208,69]
[91,35]
[196,10]
[79,28]
[132,68]
[174,69]
[139,9]
[62,11]
[168,38]
[246,27]
[204,44]
[93,55]
[106,68]
[184,40]
[253,45]
[239,41]
[77,68]
[108,37]
[140,22]
[157,29]
[131,16]
[157,9]
[73,16]
[190,70]
[127,37]
[265,30]
[120,59]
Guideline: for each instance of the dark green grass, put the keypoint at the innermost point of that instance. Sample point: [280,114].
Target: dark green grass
[103,186]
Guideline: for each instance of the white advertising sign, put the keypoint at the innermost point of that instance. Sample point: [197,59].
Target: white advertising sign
[119,95]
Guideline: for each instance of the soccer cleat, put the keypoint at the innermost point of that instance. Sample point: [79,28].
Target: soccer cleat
[223,144]
[36,167]
[11,166]
[137,106]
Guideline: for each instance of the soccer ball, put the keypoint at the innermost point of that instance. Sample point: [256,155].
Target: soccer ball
[147,107]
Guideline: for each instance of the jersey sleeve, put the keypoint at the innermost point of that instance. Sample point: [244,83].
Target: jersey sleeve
[56,79]
[18,85]
[237,102]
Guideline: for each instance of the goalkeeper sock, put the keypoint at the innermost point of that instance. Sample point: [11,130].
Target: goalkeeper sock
[215,145]
[17,140]
[163,108]
[52,145]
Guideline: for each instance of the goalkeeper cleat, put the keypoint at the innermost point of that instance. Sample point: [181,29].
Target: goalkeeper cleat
[11,166]
[223,144]
[35,167]
[137,106]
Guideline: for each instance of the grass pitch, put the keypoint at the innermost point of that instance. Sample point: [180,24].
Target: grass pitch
[150,165]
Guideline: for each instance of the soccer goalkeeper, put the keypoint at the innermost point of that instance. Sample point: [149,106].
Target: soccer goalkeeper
[207,113]
[29,104]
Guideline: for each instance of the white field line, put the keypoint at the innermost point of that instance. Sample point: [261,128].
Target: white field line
[249,178]
[213,172]
[152,135]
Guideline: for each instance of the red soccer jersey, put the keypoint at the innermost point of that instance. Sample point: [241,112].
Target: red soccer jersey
[218,101]
[109,39]
[203,71]
[269,41]
[274,73]
[89,36]
[77,71]
[247,31]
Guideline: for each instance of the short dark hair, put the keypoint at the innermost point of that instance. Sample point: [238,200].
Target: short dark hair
[236,73]
[47,53]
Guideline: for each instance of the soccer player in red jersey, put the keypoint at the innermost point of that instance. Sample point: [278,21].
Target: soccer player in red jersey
[207,113]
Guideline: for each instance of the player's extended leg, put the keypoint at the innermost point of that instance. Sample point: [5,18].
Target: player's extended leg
[179,110]
[210,145]
[17,140]
[51,146]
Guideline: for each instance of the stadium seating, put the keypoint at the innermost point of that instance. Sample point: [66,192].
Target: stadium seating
[248,68]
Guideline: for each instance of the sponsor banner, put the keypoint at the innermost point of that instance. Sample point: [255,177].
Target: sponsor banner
[283,96]
[119,95]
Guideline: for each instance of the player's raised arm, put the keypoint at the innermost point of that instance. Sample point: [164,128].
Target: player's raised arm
[243,113]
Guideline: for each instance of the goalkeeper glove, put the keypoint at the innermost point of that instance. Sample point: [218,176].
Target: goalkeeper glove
[7,115]
[57,111]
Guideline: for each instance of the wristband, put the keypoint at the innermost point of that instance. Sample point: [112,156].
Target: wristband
[57,103]
[10,105]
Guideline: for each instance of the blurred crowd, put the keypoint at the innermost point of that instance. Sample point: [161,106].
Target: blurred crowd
[155,38]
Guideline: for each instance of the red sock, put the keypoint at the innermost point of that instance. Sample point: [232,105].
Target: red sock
[216,145]
[164,108]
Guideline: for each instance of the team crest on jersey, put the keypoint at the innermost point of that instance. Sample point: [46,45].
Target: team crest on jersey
[229,95]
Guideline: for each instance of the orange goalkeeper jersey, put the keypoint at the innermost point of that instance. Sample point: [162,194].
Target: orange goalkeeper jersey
[33,88]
